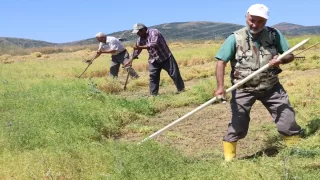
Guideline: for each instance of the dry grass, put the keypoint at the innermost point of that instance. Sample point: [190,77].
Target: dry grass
[99,73]
[110,87]
[141,67]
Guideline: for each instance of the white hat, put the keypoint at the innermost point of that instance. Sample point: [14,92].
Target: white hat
[100,34]
[259,10]
[137,27]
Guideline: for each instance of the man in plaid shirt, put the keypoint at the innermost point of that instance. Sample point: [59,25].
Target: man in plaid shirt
[160,57]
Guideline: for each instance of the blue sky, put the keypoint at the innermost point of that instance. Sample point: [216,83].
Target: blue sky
[61,21]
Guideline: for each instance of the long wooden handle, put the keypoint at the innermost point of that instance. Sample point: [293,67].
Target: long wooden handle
[86,67]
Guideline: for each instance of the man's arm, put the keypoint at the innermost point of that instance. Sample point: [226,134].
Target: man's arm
[282,46]
[135,54]
[94,57]
[220,70]
[287,59]
[153,36]
[114,46]
[98,53]
[137,47]
[225,53]
[107,51]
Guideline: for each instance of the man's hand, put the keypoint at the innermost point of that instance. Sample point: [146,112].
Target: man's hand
[99,52]
[274,62]
[220,94]
[89,61]
[128,62]
[135,47]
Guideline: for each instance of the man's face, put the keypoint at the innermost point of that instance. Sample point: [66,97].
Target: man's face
[102,39]
[255,23]
[142,33]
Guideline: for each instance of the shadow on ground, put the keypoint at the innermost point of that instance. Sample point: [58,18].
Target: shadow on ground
[270,152]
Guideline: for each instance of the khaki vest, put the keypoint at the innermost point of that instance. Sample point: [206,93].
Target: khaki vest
[249,58]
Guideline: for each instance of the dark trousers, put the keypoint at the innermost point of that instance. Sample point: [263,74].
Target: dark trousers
[118,59]
[171,66]
[276,102]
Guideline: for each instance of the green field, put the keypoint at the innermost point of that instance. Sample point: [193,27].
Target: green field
[57,126]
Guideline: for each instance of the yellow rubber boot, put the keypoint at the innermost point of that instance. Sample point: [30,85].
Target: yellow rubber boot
[229,150]
[291,140]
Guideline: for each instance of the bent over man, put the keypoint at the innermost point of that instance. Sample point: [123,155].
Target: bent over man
[249,49]
[160,57]
[119,54]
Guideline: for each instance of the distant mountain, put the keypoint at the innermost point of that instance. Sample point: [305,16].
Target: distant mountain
[23,43]
[286,26]
[179,31]
[304,30]
[199,30]
[296,30]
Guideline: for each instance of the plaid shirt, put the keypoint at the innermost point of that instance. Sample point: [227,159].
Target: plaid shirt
[157,46]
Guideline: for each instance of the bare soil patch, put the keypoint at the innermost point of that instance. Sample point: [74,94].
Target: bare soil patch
[200,135]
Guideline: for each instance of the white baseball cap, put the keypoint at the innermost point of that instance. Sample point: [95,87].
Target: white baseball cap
[259,10]
[100,34]
[137,27]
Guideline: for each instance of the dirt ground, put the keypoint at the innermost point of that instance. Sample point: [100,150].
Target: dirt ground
[200,135]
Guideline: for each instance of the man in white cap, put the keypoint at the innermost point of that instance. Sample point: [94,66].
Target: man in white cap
[249,49]
[119,54]
[160,57]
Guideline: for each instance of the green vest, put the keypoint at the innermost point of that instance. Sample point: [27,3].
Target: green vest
[251,56]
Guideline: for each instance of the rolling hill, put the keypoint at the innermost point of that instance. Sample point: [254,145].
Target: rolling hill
[178,31]
[23,43]
[296,30]
[287,26]
[198,30]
